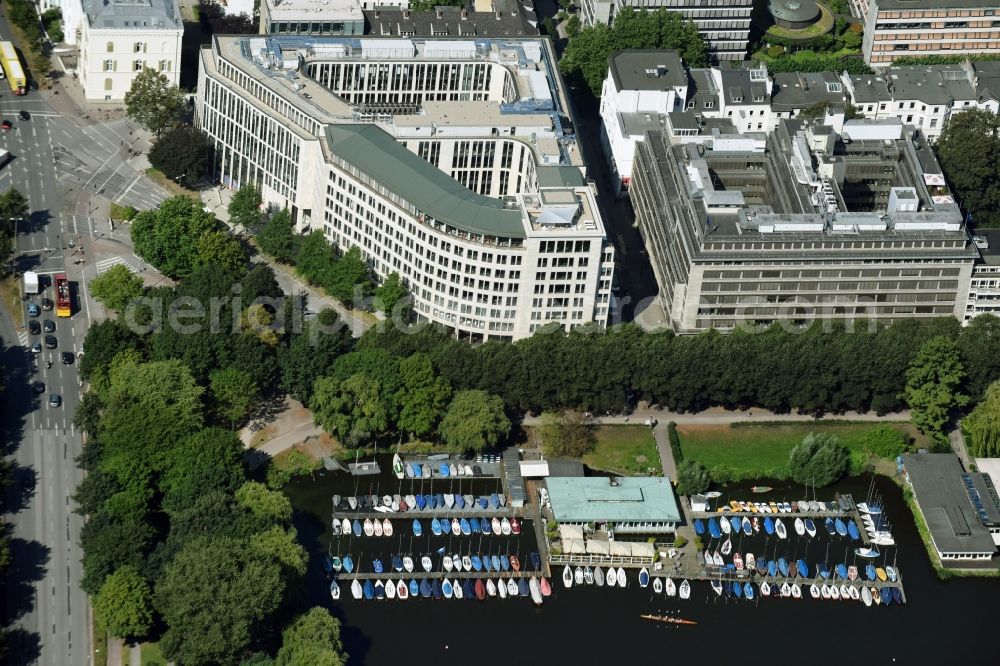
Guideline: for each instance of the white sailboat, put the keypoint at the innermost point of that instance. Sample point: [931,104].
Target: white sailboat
[685,590]
[567,576]
[670,587]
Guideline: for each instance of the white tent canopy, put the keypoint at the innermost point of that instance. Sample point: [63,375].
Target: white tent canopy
[597,547]
[574,546]
[570,532]
[620,548]
[642,549]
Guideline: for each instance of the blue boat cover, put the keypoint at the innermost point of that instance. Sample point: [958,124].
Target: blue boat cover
[425,588]
[870,571]
[748,590]
[483,502]
[487,563]
[377,565]
[397,562]
[504,563]
[439,498]
[713,528]
[369,590]
[852,529]
[536,562]
[414,588]
[446,588]
[436,588]
[747,527]
[840,527]
[466,528]
[828,523]
[348,564]
[803,568]
[841,571]
[436,526]
[356,527]
[431,501]
[418,470]
[824,571]
[886,597]
[897,596]
[772,568]
[494,501]
[468,589]
[474,525]
[522,587]
[477,563]
[417,528]
[810,525]
[496,562]
[783,566]
[443,468]
[737,590]
[769,525]
[485,524]
[460,503]
[421,502]
[699,526]
[735,522]
[379,590]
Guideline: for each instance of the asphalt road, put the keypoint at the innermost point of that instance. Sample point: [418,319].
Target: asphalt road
[42,594]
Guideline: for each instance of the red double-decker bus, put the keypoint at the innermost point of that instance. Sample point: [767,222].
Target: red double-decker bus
[64,303]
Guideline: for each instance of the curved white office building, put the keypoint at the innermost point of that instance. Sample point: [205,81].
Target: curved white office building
[451,162]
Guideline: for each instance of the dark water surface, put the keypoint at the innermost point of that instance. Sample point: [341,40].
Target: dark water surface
[953,622]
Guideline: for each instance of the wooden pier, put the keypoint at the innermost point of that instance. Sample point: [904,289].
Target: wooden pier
[440,575]
[500,512]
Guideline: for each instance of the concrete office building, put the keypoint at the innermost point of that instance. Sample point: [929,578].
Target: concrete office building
[120,38]
[807,224]
[447,161]
[896,28]
[311,17]
[725,24]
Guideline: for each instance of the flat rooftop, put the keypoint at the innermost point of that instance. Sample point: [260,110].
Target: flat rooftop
[647,69]
[318,10]
[621,499]
[379,156]
[133,14]
[939,488]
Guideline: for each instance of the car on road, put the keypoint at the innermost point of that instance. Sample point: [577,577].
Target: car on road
[49,326]
[24,115]
[36,348]
[34,327]
[33,310]
[67,358]
[55,400]
[6,124]
[38,387]
[47,304]
[51,342]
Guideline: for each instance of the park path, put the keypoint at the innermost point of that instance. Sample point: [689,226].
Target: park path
[722,416]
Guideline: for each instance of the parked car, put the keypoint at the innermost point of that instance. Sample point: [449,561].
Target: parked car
[33,327]
[6,125]
[36,348]
[67,358]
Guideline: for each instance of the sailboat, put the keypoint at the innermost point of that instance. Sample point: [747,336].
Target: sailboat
[598,576]
[727,528]
[408,564]
[800,527]
[426,563]
[369,527]
[622,580]
[810,527]
[779,529]
[643,577]
[588,576]
[765,588]
[378,527]
[685,590]
[386,527]
[747,526]
[567,576]
[657,585]
[727,547]
[334,590]
[356,589]
[397,466]
[612,577]
[578,576]
[536,591]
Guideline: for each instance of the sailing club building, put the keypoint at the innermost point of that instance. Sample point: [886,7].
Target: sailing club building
[961,509]
[622,505]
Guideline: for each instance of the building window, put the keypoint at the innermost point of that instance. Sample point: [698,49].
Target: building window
[111,47]
[109,65]
[108,84]
[164,65]
[137,66]
[710,104]
[138,47]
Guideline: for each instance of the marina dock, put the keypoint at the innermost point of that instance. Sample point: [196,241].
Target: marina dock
[441,512]
[440,575]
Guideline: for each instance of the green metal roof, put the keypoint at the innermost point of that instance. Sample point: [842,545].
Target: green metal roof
[633,499]
[380,157]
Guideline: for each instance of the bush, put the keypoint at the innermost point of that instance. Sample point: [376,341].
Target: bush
[291,464]
[680,542]
[698,545]
[885,442]
[775,50]
[818,461]
[675,443]
[692,478]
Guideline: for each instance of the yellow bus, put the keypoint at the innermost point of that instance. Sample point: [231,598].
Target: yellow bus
[12,68]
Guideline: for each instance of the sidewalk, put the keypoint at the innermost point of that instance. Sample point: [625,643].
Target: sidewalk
[722,416]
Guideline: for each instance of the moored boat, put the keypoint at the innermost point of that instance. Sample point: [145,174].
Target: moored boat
[356,589]
[515,526]
[515,563]
[426,563]
[643,577]
[447,563]
[726,526]
[748,591]
[514,589]
[479,589]
[407,564]
[536,561]
[497,528]
[769,525]
[825,591]
[765,588]
[852,572]
[387,527]
[699,526]
[783,566]
[751,562]
[622,580]
[876,596]
[334,590]
[866,596]
[713,528]
[545,586]
[495,561]
[716,587]
[814,591]
[845,592]
[567,576]
[891,573]
[800,526]
[402,591]
[657,585]
[504,563]
[866,552]
[348,563]
[738,561]
[436,527]
[881,575]
[418,529]
[505,527]
[612,577]
[779,529]
[803,568]
[809,526]
[377,527]
[670,587]
[578,576]
[390,590]
[369,590]
[796,591]
[727,547]
[684,590]
[369,527]
[747,526]
[834,592]
[717,559]
[456,527]
[831,529]
[840,527]
[852,530]
[588,576]
[599,577]
[465,527]
[476,563]
[502,589]
[841,570]
[761,489]
[536,591]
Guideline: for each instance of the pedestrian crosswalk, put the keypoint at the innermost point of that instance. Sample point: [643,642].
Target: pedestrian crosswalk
[104,265]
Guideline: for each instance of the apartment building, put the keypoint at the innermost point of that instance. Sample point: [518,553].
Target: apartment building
[984,290]
[120,38]
[446,161]
[810,225]
[896,28]
[725,24]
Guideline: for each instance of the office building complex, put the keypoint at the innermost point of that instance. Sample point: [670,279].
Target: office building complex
[725,24]
[896,28]
[120,38]
[984,289]
[311,17]
[809,222]
[450,162]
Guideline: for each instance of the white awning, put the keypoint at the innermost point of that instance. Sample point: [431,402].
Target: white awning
[570,532]
[597,547]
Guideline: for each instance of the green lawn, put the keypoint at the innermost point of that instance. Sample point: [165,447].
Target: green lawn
[626,449]
[152,655]
[171,186]
[761,450]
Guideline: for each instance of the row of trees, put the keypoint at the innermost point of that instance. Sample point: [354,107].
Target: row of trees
[24,15]
[585,59]
[180,543]
[13,207]
[343,276]
[811,371]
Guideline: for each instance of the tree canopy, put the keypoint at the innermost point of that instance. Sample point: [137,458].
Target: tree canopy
[277,237]
[182,154]
[983,425]
[969,152]
[116,287]
[13,206]
[390,292]
[352,409]
[474,421]
[244,208]
[819,460]
[168,236]
[692,478]
[313,639]
[567,434]
[153,102]
[586,55]
[933,386]
[124,604]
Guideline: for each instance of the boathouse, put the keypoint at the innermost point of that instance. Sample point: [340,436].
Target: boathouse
[637,505]
[954,510]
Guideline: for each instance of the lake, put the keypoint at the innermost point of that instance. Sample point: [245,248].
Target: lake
[951,621]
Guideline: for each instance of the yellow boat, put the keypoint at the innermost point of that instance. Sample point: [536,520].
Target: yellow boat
[880,573]
[774,507]
[735,505]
